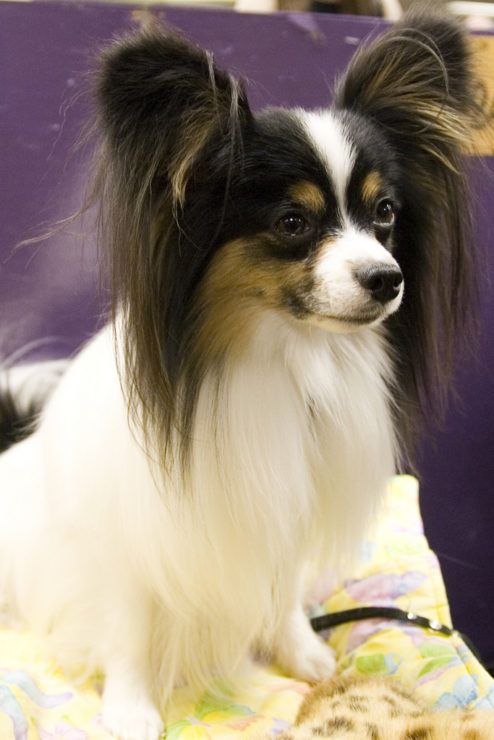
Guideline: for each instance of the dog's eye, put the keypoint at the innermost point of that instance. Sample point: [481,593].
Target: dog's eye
[293,225]
[384,214]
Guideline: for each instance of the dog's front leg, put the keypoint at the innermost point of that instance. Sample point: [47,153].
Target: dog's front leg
[297,648]
[129,709]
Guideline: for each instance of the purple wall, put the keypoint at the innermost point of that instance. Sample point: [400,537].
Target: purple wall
[457,465]
[48,291]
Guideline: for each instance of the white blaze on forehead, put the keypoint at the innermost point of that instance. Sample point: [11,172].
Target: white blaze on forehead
[328,135]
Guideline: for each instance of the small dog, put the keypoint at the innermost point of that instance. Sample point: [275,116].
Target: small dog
[257,385]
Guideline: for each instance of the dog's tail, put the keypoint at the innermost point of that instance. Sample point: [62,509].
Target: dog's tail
[24,391]
[15,423]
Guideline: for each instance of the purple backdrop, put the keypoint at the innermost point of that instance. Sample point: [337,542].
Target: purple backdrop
[49,299]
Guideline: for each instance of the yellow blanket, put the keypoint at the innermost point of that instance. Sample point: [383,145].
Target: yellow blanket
[38,703]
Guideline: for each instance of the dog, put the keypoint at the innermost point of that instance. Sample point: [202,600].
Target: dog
[288,287]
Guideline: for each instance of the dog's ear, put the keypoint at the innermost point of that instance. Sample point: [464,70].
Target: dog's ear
[161,99]
[414,84]
[171,124]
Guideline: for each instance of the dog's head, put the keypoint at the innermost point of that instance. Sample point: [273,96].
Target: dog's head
[331,217]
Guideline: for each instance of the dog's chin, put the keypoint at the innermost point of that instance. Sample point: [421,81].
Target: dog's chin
[348,324]
[351,322]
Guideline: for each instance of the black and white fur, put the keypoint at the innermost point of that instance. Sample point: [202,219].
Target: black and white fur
[287,288]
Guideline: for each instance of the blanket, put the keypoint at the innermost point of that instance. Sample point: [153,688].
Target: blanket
[37,702]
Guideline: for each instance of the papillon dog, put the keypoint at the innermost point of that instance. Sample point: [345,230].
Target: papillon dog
[287,289]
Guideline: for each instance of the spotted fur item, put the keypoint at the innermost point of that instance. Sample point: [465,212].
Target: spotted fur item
[382,709]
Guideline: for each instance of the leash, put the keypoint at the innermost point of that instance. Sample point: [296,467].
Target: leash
[328,621]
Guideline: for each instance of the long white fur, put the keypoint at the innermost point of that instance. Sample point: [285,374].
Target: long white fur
[213,569]
[159,582]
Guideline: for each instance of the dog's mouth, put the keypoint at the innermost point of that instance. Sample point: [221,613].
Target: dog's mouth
[349,322]
[350,318]
[359,319]
[367,314]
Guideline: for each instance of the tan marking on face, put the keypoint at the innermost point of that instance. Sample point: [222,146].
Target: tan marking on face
[308,195]
[371,187]
[237,288]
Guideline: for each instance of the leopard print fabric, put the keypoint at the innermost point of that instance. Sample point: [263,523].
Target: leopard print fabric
[352,708]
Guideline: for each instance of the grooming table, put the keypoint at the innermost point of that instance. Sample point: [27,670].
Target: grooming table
[37,702]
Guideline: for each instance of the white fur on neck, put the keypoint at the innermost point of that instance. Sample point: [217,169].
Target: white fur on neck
[289,463]
[292,458]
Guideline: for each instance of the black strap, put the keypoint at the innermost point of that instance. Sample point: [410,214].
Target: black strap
[328,621]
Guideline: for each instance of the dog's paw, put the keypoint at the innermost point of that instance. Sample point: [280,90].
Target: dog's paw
[311,660]
[301,652]
[138,720]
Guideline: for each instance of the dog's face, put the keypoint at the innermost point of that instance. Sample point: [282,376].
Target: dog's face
[214,214]
[308,228]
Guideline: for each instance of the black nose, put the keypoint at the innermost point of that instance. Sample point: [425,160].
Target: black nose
[382,281]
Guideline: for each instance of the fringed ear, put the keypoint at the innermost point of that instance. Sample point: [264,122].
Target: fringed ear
[170,121]
[161,99]
[414,83]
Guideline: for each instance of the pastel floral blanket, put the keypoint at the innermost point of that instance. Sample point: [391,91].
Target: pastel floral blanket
[37,702]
